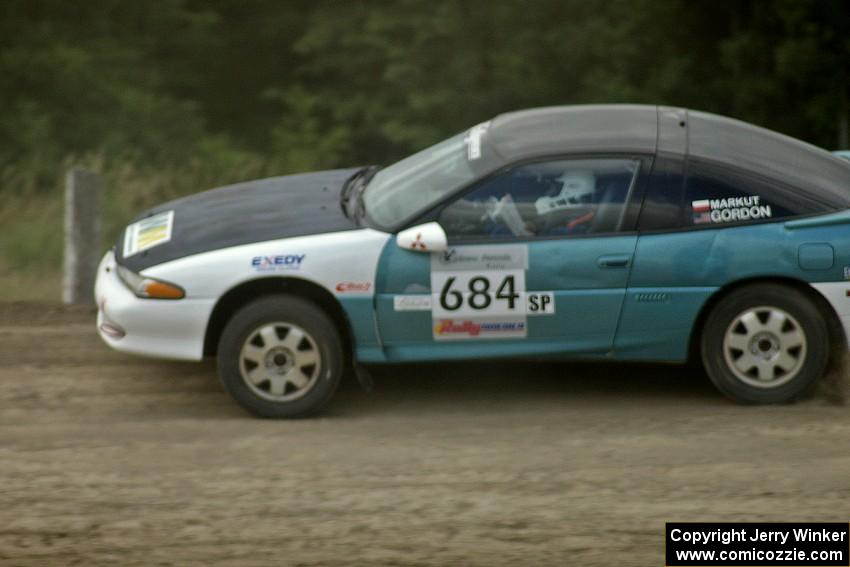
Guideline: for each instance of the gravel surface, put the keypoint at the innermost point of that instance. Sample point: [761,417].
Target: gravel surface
[107,458]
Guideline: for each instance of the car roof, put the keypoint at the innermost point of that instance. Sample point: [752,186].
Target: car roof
[582,129]
[769,154]
[647,129]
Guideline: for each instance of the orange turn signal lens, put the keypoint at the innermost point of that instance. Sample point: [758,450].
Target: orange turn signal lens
[148,288]
[161,290]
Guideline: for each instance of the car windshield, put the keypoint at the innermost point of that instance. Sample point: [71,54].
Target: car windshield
[406,188]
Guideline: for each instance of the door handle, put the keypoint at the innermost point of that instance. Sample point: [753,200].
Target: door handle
[614,260]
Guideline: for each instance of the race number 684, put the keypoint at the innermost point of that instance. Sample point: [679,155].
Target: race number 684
[478,294]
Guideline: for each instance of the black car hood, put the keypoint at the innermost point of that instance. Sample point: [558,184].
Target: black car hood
[254,211]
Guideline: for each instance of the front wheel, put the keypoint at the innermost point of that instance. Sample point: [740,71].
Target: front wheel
[280,357]
[765,344]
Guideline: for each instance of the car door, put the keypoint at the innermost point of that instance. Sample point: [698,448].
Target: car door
[703,226]
[537,263]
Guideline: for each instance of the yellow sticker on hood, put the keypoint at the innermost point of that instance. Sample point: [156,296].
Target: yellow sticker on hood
[148,232]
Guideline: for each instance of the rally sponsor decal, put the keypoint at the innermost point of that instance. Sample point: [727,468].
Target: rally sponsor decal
[147,233]
[473,140]
[354,287]
[459,329]
[479,292]
[412,303]
[417,243]
[507,257]
[731,209]
[278,262]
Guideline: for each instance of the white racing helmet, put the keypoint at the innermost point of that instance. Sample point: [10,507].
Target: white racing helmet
[577,188]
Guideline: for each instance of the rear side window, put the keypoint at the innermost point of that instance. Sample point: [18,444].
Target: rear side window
[716,196]
[702,194]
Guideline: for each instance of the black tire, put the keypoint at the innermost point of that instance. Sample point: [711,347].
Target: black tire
[768,303]
[282,313]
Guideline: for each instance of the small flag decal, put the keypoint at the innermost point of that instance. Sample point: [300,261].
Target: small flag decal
[702,206]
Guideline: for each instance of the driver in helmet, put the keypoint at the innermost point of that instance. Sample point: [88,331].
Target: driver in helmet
[572,209]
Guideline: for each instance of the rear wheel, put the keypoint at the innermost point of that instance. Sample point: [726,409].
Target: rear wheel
[765,344]
[280,357]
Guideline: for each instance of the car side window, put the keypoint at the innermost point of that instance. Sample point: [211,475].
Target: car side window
[716,196]
[544,200]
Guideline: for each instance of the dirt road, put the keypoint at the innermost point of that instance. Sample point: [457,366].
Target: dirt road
[106,458]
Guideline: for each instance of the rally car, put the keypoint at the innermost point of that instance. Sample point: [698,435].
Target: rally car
[616,232]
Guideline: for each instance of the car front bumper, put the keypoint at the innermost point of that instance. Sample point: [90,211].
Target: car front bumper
[153,327]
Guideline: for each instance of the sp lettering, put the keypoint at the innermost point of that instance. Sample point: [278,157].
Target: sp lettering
[277,262]
[540,303]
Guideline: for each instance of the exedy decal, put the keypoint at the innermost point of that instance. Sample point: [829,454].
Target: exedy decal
[731,209]
[278,262]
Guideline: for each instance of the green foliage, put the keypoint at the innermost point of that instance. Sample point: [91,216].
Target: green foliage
[172,97]
[314,84]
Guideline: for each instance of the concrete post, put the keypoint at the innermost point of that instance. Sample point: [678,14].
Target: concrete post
[83,190]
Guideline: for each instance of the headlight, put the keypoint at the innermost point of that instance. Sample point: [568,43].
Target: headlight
[148,288]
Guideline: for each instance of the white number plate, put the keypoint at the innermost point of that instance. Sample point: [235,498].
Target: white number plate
[478,292]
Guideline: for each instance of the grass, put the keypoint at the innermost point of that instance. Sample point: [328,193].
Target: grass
[30,249]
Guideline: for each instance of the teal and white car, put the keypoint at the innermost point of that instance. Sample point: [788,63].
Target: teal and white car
[611,232]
